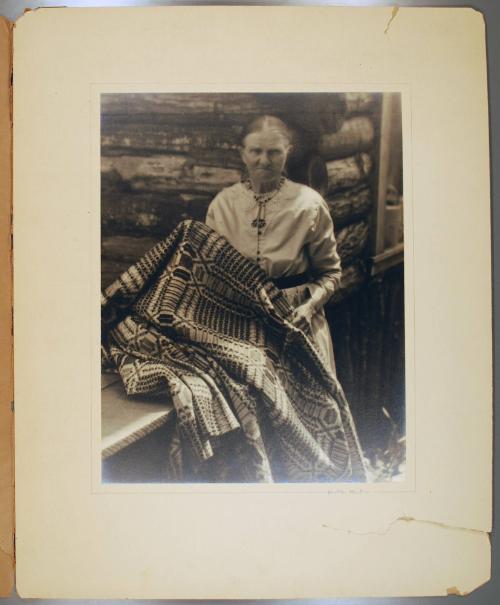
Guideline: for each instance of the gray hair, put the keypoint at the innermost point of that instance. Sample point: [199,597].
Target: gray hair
[267,123]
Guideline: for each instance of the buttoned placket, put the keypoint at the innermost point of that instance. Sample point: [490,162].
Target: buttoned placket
[262,207]
[260,226]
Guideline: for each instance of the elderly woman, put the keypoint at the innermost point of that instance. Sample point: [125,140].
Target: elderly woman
[197,321]
[284,227]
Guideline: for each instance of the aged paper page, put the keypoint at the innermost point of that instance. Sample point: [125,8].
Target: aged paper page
[6,377]
[428,536]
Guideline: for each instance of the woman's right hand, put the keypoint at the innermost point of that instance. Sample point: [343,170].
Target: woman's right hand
[303,314]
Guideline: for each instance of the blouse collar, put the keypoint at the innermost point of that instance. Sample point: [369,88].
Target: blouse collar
[247,199]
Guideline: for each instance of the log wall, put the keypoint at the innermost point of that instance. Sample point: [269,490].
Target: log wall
[165,156]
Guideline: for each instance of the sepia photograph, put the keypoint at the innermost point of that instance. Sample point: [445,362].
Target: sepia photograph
[252,277]
[250,345]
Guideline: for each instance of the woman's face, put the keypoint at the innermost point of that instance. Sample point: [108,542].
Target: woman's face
[264,154]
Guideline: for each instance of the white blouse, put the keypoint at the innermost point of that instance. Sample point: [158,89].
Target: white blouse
[297,236]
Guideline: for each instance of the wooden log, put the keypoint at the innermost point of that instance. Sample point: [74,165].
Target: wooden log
[177,103]
[360,102]
[217,143]
[149,213]
[350,205]
[307,114]
[352,241]
[218,105]
[111,180]
[154,134]
[355,135]
[169,173]
[348,172]
[125,248]
[123,212]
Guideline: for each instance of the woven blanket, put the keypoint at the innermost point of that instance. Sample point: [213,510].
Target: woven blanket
[195,320]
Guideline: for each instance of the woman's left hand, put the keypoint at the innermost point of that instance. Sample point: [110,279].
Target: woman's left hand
[303,315]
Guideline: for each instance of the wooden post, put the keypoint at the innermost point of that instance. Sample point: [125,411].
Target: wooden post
[383,169]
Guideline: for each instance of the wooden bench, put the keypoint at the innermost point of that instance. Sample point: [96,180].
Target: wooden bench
[133,430]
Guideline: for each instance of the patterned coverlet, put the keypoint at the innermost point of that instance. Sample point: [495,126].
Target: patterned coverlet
[195,320]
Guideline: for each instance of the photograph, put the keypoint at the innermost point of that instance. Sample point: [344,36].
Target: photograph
[252,303]
[252,287]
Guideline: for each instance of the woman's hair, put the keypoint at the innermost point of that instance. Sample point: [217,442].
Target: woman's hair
[267,123]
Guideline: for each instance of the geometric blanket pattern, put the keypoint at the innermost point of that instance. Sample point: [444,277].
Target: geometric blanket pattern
[197,322]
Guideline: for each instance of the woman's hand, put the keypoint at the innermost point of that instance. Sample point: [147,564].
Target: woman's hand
[303,315]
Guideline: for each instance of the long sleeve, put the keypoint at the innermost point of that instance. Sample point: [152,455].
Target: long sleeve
[324,258]
[210,219]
